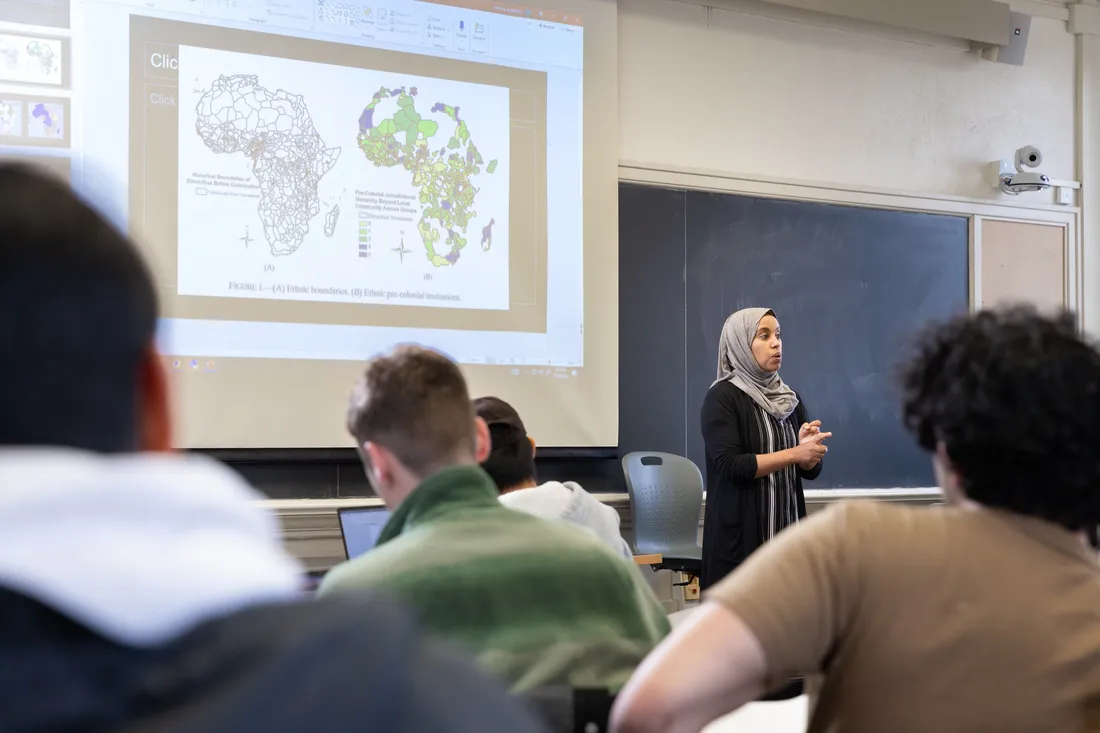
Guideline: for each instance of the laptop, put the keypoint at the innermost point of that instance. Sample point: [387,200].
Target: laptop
[361,527]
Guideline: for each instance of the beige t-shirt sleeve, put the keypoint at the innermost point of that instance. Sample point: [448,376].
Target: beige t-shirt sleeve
[798,593]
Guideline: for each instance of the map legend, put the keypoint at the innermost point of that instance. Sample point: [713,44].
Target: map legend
[364,238]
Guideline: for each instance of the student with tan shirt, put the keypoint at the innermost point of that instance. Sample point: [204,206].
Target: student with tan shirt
[980,616]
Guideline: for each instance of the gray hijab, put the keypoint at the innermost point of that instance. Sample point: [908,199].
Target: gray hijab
[737,365]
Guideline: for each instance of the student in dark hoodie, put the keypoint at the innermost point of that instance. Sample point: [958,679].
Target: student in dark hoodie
[141,589]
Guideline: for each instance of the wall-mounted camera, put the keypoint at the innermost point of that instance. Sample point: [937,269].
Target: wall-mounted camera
[1016,177]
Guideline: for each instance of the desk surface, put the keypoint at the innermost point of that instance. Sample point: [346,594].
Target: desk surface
[653,559]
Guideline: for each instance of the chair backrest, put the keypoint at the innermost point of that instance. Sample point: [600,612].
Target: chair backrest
[666,500]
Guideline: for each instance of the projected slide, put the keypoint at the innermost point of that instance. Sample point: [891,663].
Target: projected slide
[307,181]
[329,184]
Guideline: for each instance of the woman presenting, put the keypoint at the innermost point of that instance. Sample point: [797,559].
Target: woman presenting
[759,445]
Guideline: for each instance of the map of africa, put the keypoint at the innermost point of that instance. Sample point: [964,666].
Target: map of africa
[441,167]
[275,130]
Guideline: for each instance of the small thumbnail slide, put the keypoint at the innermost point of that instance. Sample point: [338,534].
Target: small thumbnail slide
[46,121]
[34,120]
[34,60]
[11,119]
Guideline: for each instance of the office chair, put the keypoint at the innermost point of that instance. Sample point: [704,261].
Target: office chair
[666,501]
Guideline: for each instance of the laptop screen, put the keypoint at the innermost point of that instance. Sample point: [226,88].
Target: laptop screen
[361,528]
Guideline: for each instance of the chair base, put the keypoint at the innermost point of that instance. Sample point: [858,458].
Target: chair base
[690,566]
[687,566]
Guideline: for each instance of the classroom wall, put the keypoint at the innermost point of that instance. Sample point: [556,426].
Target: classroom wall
[756,90]
[825,100]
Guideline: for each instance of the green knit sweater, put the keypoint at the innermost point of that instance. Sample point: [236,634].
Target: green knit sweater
[538,602]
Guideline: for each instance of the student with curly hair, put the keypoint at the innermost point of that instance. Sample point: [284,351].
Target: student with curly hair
[981,615]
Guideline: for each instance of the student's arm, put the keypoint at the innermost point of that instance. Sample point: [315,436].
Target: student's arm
[776,617]
[360,574]
[711,664]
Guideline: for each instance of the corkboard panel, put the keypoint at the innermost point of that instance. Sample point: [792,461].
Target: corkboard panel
[1023,263]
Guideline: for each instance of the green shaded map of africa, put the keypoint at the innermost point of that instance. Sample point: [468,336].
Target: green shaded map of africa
[440,170]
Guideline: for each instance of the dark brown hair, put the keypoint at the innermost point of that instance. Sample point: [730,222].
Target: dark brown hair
[414,402]
[1014,397]
[512,460]
[78,313]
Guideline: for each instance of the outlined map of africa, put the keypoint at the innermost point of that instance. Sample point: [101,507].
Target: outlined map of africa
[441,169]
[274,129]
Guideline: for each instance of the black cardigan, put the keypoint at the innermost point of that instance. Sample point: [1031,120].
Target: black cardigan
[732,440]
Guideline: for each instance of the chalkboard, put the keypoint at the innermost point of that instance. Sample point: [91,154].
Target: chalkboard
[850,286]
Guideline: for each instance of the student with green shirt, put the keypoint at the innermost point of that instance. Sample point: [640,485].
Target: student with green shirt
[538,602]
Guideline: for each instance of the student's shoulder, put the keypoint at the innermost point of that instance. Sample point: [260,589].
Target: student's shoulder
[539,500]
[878,528]
[376,568]
[892,516]
[273,649]
[559,532]
[851,514]
[305,622]
[582,555]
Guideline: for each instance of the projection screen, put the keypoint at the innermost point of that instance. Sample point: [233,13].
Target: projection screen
[316,181]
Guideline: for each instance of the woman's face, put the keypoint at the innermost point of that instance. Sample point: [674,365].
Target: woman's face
[767,345]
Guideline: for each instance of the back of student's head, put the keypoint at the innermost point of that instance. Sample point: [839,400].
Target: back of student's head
[511,460]
[78,314]
[1013,400]
[413,402]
